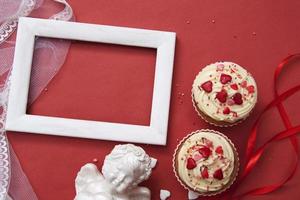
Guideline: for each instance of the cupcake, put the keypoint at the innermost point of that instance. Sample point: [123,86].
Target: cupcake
[224,93]
[206,162]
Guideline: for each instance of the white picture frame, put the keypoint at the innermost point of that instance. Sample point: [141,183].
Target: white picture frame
[29,28]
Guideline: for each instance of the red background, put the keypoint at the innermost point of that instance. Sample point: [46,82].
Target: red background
[113,83]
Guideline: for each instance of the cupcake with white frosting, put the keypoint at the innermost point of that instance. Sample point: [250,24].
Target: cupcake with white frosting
[206,162]
[224,93]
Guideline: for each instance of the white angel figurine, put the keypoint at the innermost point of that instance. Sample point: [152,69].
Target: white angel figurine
[123,169]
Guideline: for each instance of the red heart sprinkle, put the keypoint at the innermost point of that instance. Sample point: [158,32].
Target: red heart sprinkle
[218,174]
[204,173]
[226,111]
[191,163]
[207,86]
[205,152]
[250,89]
[219,150]
[234,86]
[225,78]
[244,84]
[222,96]
[237,98]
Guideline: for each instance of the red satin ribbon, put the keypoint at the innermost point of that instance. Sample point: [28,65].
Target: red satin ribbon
[252,156]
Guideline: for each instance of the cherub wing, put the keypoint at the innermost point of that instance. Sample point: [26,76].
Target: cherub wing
[140,193]
[88,173]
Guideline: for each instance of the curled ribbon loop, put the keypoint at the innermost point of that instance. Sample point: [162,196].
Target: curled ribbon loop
[252,157]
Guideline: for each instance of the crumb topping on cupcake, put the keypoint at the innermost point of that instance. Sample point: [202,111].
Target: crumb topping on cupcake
[225,92]
[206,162]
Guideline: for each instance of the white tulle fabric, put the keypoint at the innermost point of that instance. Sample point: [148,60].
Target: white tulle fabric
[48,57]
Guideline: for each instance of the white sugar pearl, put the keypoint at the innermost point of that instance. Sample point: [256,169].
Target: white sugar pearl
[164,194]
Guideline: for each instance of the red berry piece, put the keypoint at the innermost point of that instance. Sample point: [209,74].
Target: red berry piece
[237,98]
[244,84]
[234,86]
[222,96]
[219,150]
[218,174]
[220,67]
[197,157]
[250,89]
[205,151]
[191,163]
[234,114]
[226,111]
[225,78]
[208,143]
[207,86]
[230,102]
[204,173]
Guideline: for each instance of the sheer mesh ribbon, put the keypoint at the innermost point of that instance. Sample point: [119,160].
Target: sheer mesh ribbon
[48,57]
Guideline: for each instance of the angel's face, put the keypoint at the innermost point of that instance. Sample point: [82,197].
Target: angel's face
[121,177]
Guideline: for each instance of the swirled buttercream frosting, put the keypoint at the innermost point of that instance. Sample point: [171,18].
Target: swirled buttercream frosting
[206,162]
[225,92]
